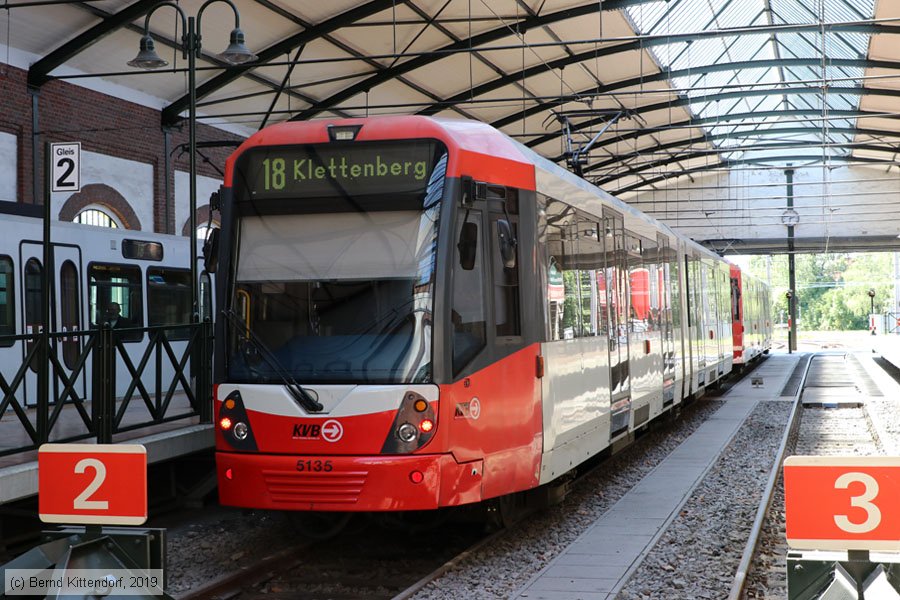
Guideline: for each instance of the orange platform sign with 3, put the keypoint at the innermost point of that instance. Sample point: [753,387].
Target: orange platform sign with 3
[842,502]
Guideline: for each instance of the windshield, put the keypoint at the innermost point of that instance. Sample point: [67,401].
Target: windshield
[337,297]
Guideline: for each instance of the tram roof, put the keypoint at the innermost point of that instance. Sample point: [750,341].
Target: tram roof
[669,88]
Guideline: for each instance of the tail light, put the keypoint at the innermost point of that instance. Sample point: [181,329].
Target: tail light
[413,427]
[234,423]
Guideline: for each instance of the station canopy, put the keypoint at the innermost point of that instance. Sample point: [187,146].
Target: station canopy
[642,91]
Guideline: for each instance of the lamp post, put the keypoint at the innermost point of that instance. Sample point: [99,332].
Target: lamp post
[872,310]
[235,54]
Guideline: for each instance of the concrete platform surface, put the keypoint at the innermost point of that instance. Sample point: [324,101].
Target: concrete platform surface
[597,564]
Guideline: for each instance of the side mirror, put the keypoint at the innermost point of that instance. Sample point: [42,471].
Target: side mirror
[467,245]
[507,243]
[211,251]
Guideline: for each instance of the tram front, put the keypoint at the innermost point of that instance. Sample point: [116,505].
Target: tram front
[325,394]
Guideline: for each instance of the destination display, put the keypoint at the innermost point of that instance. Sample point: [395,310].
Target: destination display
[336,170]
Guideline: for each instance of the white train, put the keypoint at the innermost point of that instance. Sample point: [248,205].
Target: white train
[132,280]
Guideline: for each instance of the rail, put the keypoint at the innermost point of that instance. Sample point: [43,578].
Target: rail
[740,578]
[94,384]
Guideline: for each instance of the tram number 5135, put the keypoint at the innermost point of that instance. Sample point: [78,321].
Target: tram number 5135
[836,503]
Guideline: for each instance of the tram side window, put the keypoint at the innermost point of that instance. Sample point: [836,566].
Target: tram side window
[70,311]
[507,314]
[562,272]
[467,314]
[206,291]
[169,300]
[7,302]
[114,296]
[33,295]
[650,252]
[590,261]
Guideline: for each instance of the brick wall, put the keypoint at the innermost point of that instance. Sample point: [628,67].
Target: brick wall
[103,124]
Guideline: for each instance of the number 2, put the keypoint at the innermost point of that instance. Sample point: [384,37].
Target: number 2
[81,501]
[69,164]
[863,501]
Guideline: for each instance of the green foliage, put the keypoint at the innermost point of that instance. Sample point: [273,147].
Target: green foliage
[832,289]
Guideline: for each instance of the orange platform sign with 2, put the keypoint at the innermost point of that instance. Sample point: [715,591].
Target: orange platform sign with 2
[92,484]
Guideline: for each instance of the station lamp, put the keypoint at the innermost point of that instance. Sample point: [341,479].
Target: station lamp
[235,54]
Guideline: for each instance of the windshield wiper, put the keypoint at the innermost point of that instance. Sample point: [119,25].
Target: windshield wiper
[300,395]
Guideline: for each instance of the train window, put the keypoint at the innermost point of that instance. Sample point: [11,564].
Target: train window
[590,261]
[206,291]
[506,287]
[616,260]
[169,300]
[467,315]
[115,296]
[70,310]
[142,250]
[7,302]
[648,291]
[735,299]
[33,296]
[562,271]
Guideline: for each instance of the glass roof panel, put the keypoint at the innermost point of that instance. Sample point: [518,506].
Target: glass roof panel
[794,87]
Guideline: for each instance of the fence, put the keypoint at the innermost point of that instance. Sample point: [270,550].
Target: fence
[108,387]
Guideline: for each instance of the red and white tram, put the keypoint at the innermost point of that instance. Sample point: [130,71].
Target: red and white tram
[751,319]
[421,313]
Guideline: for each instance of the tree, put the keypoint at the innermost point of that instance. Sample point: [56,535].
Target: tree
[831,288]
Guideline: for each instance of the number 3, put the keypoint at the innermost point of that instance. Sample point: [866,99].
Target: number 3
[81,501]
[863,501]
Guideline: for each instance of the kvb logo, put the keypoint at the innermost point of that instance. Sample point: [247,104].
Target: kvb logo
[306,431]
[330,431]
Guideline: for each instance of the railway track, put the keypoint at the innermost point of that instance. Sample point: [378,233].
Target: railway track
[375,559]
[830,417]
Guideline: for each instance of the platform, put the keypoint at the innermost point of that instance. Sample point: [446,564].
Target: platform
[18,472]
[600,561]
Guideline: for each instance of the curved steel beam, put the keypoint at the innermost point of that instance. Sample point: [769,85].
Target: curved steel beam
[757,148]
[170,114]
[684,101]
[422,60]
[743,161]
[38,73]
[601,181]
[740,134]
[726,121]
[663,75]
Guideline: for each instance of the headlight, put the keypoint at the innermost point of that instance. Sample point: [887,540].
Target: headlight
[241,430]
[407,432]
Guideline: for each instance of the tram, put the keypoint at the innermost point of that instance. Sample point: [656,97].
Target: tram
[130,279]
[419,313]
[751,317]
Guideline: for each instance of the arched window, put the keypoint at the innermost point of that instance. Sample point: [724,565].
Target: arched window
[203,231]
[96,216]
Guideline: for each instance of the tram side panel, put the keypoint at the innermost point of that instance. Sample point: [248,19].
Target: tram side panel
[726,331]
[83,256]
[582,307]
[492,409]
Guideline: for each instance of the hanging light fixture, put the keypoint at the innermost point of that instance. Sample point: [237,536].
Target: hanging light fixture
[237,53]
[147,58]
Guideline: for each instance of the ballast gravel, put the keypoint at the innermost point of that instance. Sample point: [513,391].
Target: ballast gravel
[502,568]
[698,555]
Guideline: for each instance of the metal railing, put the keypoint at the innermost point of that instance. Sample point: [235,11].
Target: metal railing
[108,389]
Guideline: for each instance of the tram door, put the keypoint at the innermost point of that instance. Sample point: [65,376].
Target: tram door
[617,301]
[66,313]
[666,323]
